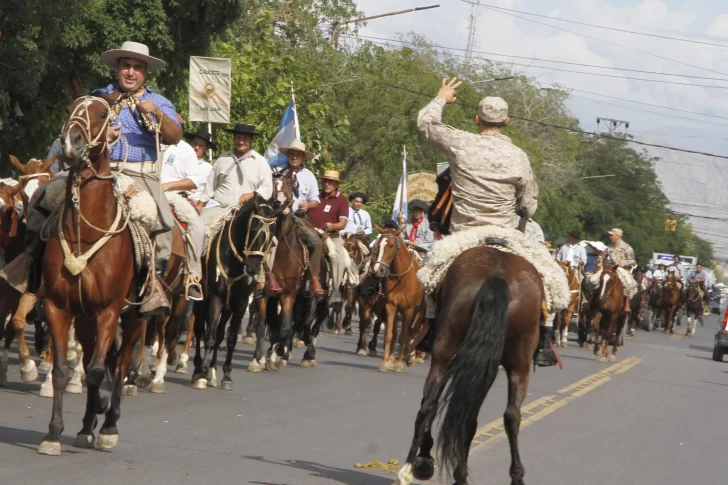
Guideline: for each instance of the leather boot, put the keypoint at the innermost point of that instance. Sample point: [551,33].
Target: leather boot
[274,288]
[626,305]
[544,355]
[316,289]
[155,300]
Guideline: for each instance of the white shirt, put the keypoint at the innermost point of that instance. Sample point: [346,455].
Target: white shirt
[358,219]
[573,254]
[232,177]
[534,230]
[308,190]
[658,275]
[203,171]
[674,269]
[179,162]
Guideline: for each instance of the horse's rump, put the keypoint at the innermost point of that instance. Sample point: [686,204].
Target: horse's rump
[445,251]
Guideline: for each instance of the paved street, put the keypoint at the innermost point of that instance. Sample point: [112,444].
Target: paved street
[657,416]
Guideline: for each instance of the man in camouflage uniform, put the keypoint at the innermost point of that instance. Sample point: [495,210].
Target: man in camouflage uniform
[491,178]
[622,256]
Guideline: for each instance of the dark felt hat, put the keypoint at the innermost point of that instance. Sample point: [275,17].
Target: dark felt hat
[241,129]
[360,195]
[417,204]
[391,224]
[575,234]
[201,134]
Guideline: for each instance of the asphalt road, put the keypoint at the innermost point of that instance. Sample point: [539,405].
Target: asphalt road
[656,417]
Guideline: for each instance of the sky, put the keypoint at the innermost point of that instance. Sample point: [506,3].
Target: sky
[699,20]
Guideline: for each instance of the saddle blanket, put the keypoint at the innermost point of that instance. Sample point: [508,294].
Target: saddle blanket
[181,207]
[444,252]
[625,277]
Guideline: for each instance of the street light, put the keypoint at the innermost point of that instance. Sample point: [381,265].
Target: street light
[598,176]
[337,27]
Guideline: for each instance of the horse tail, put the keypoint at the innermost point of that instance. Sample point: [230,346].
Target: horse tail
[472,370]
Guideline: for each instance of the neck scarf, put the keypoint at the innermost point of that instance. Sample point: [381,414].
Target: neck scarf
[413,231]
[356,214]
[129,100]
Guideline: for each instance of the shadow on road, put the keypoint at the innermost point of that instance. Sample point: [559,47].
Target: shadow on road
[30,440]
[701,357]
[701,348]
[317,470]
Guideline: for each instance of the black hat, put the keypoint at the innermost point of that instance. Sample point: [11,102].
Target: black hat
[391,224]
[202,134]
[575,234]
[241,129]
[418,204]
[363,197]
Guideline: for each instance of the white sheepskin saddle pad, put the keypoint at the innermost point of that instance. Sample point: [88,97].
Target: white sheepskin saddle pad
[444,252]
[214,226]
[137,201]
[181,207]
[625,277]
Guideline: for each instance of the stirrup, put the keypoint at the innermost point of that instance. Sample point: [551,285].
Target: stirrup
[193,281]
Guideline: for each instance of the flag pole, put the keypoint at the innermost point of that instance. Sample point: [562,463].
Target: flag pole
[209,130]
[404,179]
[296,128]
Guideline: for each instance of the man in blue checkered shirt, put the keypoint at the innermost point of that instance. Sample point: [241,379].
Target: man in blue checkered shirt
[137,113]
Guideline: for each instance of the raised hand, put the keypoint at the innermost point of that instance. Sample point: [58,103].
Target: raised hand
[448,90]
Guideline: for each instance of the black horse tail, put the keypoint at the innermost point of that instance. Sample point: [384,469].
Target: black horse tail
[472,371]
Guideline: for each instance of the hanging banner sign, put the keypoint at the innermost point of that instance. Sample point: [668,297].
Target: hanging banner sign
[210,87]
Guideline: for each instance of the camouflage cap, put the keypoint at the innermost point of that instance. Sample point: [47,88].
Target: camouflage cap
[616,232]
[493,110]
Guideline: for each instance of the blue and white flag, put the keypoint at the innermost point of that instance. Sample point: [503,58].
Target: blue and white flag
[288,131]
[401,194]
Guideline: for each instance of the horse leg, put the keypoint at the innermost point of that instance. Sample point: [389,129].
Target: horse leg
[309,357]
[607,334]
[214,316]
[132,330]
[219,338]
[59,323]
[422,465]
[620,323]
[407,321]
[94,403]
[28,370]
[388,360]
[226,383]
[199,325]
[517,388]
[376,328]
[185,356]
[286,327]
[251,328]
[364,324]
[161,364]
[348,310]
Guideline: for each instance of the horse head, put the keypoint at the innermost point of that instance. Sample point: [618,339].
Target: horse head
[283,190]
[84,138]
[607,281]
[386,250]
[441,209]
[34,173]
[255,224]
[8,215]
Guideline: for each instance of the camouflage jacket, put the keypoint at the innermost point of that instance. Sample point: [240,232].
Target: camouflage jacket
[621,254]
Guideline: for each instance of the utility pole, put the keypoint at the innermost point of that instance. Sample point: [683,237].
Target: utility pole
[612,124]
[337,27]
[472,29]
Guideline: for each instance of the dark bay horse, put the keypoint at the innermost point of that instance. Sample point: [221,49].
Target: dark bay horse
[489,307]
[234,257]
[90,288]
[672,297]
[396,271]
[693,308]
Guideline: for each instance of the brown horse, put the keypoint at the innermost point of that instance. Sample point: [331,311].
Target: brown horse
[561,322]
[488,313]
[440,211]
[92,289]
[396,271]
[672,297]
[611,318]
[351,244]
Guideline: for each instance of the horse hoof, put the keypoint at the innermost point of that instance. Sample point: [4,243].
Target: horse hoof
[71,356]
[254,367]
[348,332]
[144,381]
[307,364]
[107,441]
[226,385]
[372,353]
[564,343]
[73,388]
[212,377]
[284,362]
[423,468]
[398,367]
[158,387]
[612,358]
[299,344]
[335,331]
[419,360]
[273,365]
[405,477]
[44,366]
[51,448]
[386,367]
[130,390]
[30,374]
[181,368]
[602,359]
[590,346]
[361,352]
[200,384]
[248,341]
[46,390]
[240,339]
[84,441]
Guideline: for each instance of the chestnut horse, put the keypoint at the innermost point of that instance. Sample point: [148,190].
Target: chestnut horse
[563,318]
[610,318]
[95,292]
[671,300]
[488,313]
[351,244]
[396,271]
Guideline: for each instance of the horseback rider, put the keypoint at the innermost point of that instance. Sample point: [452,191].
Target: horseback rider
[492,180]
[306,193]
[572,251]
[621,255]
[138,113]
[700,278]
[330,217]
[201,142]
[417,230]
[237,176]
[359,223]
[181,175]
[659,273]
[676,269]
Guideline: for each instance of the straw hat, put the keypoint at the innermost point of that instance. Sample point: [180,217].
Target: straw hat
[331,175]
[135,50]
[300,146]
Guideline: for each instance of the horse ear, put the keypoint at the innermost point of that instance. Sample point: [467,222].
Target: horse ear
[378,228]
[17,164]
[14,190]
[47,164]
[74,89]
[399,231]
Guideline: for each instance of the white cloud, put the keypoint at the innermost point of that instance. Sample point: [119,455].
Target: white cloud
[719,28]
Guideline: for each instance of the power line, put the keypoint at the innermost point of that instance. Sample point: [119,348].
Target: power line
[679,136]
[547,60]
[548,68]
[599,26]
[573,130]
[606,41]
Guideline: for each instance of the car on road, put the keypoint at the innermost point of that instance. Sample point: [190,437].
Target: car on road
[721,339]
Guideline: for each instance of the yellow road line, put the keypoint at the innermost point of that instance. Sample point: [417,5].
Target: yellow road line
[537,410]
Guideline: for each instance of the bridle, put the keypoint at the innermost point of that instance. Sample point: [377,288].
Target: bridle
[376,261]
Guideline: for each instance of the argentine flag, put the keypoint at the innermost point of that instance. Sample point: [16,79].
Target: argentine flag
[401,195]
[288,131]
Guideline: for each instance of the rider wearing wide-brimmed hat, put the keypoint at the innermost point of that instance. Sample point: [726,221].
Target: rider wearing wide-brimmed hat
[201,142]
[417,232]
[572,251]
